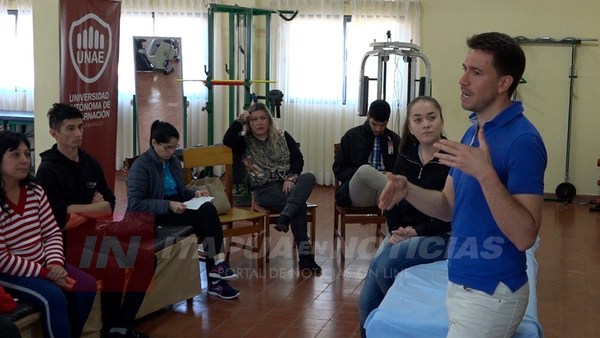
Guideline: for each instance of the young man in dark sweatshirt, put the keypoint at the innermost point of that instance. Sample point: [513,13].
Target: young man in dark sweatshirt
[79,196]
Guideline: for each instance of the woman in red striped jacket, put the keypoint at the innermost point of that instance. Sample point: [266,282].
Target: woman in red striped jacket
[32,263]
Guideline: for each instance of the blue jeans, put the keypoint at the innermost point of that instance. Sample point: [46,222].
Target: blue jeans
[271,196]
[389,261]
[63,312]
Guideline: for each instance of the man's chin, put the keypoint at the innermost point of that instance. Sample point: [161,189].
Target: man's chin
[466,106]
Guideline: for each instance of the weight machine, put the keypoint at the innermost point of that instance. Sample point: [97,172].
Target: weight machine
[410,53]
[565,191]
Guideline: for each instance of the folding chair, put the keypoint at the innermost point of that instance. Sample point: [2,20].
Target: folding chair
[272,215]
[353,215]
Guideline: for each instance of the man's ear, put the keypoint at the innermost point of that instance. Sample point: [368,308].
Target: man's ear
[504,83]
[53,132]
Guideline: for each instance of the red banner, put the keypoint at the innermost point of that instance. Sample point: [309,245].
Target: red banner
[89,54]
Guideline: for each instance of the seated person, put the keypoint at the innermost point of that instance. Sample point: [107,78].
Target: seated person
[8,329]
[80,197]
[155,184]
[414,237]
[274,162]
[32,264]
[365,152]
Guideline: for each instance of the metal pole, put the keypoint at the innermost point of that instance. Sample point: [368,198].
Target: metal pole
[268,54]
[572,77]
[211,68]
[135,126]
[185,109]
[248,70]
[233,44]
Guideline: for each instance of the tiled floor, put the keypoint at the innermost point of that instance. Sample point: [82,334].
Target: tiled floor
[286,303]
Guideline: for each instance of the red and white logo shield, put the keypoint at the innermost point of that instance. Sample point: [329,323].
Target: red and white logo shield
[90,45]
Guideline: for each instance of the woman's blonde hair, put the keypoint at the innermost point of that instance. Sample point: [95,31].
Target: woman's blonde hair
[274,132]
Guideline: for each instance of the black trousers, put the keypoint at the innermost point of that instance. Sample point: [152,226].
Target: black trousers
[206,224]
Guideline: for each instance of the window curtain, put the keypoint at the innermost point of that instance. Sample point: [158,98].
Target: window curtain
[308,63]
[136,20]
[371,20]
[178,18]
[17,79]
[308,66]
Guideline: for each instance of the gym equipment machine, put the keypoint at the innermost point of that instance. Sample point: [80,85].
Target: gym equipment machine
[565,191]
[595,205]
[239,16]
[410,53]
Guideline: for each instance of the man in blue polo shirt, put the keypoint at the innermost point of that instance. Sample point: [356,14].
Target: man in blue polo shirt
[493,194]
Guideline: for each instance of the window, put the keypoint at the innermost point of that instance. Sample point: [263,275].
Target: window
[325,56]
[8,27]
[17,80]
[316,53]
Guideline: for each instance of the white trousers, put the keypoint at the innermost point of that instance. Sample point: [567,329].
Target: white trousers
[474,313]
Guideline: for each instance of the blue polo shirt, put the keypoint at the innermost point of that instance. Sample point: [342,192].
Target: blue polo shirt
[480,256]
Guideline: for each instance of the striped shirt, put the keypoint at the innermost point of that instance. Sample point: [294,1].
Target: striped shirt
[30,239]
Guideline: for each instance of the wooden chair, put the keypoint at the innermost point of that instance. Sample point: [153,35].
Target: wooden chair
[272,216]
[353,215]
[237,221]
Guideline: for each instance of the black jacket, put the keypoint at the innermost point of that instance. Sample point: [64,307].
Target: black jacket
[432,175]
[355,147]
[68,182]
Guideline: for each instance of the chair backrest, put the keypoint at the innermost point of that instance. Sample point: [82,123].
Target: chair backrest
[336,149]
[210,156]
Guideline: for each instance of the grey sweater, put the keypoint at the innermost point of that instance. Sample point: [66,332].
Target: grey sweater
[145,184]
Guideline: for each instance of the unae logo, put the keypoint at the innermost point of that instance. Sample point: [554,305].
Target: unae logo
[90,45]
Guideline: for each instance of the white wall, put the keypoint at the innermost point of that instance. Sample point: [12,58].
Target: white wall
[46,49]
[447,24]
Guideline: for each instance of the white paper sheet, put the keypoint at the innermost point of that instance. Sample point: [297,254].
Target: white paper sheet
[197,202]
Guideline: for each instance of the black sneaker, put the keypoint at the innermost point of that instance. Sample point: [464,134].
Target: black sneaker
[307,262]
[131,333]
[283,223]
[222,289]
[135,334]
[222,271]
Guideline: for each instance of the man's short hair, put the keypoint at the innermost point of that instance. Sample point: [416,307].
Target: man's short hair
[60,112]
[379,110]
[508,56]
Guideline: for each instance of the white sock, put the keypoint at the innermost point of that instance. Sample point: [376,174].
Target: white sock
[120,330]
[219,261]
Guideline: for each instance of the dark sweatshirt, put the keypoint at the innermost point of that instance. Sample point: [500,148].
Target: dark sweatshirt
[68,182]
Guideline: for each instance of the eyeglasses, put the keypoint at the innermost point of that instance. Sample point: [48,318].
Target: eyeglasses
[169,147]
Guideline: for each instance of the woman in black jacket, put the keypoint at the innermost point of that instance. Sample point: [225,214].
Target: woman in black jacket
[414,238]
